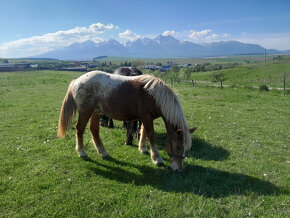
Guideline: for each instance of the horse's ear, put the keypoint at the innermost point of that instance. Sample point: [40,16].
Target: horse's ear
[192,129]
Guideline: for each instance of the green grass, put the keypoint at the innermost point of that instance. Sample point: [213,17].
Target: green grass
[252,75]
[243,59]
[238,165]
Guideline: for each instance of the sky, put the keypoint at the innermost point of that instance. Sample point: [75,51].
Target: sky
[31,27]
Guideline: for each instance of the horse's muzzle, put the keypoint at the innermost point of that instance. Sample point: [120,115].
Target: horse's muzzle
[176,167]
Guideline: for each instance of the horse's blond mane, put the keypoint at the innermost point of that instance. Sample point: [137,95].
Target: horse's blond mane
[168,103]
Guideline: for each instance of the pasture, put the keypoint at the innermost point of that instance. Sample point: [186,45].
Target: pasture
[238,165]
[252,75]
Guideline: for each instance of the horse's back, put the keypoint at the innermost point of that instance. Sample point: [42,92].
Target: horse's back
[108,94]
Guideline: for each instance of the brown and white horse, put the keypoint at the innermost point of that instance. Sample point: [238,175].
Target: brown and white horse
[126,98]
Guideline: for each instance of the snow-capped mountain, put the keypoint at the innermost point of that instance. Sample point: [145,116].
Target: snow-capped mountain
[160,47]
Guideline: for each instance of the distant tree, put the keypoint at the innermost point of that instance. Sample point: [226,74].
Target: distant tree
[137,63]
[219,77]
[185,73]
[174,68]
[213,67]
[278,58]
[5,61]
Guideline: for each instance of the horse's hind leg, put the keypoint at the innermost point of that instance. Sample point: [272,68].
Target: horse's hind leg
[129,136]
[111,123]
[95,130]
[80,129]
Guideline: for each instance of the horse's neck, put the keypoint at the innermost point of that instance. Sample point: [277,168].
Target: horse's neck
[169,127]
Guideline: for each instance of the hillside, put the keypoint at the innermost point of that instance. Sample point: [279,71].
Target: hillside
[252,75]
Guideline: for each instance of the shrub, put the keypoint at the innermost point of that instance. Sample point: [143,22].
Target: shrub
[263,88]
[219,77]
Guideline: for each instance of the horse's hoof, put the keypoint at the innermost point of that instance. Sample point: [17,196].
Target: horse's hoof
[157,161]
[160,164]
[178,171]
[106,156]
[128,143]
[144,152]
[85,157]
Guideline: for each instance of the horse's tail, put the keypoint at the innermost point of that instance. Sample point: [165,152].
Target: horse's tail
[67,113]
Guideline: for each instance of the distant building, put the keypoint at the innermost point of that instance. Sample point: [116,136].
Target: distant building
[165,68]
[183,65]
[156,67]
[81,68]
[152,67]
[13,67]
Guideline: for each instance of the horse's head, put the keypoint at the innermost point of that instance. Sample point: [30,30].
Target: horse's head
[175,147]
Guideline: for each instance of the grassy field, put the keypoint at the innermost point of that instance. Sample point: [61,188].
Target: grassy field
[242,59]
[238,165]
[252,75]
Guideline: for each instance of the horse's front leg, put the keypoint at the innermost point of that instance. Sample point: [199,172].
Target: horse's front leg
[95,130]
[155,156]
[142,142]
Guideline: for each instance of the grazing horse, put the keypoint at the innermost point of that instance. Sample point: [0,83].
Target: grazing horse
[127,71]
[131,126]
[126,98]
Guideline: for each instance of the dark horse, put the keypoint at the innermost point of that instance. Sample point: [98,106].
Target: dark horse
[126,98]
[131,126]
[127,71]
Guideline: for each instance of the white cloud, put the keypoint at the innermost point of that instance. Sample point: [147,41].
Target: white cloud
[199,34]
[212,36]
[169,33]
[129,35]
[206,35]
[100,28]
[39,44]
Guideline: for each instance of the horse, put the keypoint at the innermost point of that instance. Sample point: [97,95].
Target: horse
[127,71]
[125,98]
[131,127]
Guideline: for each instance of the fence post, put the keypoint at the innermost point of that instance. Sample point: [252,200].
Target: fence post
[192,83]
[171,83]
[284,83]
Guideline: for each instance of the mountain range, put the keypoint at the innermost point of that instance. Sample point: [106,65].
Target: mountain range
[160,47]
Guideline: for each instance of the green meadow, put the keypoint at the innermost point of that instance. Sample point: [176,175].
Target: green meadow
[238,165]
[271,74]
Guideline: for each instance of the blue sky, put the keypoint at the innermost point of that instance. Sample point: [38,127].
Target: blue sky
[31,27]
